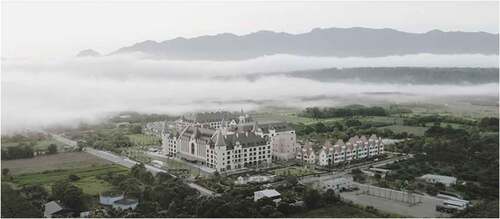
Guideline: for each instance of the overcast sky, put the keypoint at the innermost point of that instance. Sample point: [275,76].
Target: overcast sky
[53,29]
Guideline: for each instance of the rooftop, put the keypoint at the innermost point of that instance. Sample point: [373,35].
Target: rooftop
[52,207]
[204,117]
[269,193]
[439,177]
[126,201]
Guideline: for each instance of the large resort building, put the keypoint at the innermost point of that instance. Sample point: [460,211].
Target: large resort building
[214,149]
[227,141]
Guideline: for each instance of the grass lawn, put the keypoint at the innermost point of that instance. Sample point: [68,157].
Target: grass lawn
[87,181]
[416,130]
[289,117]
[52,162]
[336,211]
[93,186]
[294,171]
[142,139]
[383,119]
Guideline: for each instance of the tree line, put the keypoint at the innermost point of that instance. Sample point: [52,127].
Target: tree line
[468,154]
[353,110]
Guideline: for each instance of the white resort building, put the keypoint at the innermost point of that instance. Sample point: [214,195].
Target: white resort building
[213,120]
[214,149]
[212,141]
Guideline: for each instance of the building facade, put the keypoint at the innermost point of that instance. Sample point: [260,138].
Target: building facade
[223,152]
[282,137]
[336,183]
[169,143]
[213,120]
[227,141]
[331,154]
[306,154]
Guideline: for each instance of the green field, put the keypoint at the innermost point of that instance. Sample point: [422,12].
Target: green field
[144,140]
[71,160]
[293,171]
[289,117]
[87,181]
[336,211]
[416,130]
[383,120]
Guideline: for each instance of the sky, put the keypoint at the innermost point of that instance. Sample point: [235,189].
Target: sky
[56,29]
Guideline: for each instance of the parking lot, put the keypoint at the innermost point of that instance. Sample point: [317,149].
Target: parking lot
[394,202]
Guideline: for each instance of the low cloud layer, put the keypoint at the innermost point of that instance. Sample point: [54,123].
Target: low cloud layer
[44,92]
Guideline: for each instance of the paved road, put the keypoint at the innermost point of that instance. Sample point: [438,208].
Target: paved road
[124,161]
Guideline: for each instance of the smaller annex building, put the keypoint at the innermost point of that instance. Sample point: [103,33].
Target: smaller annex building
[109,197]
[267,193]
[117,200]
[446,180]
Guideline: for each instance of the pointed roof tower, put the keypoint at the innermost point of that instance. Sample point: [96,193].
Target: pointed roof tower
[255,126]
[219,139]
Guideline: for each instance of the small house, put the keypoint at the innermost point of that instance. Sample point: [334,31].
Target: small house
[56,209]
[267,193]
[109,197]
[446,180]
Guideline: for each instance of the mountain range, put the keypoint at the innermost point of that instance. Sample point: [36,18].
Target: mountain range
[330,42]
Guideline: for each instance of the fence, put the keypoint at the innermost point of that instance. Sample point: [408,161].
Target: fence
[402,196]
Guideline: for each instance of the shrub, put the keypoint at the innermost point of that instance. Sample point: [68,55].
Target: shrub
[73,177]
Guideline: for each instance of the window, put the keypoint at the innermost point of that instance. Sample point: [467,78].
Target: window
[192,148]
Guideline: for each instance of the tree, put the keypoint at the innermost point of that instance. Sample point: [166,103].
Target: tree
[312,198]
[73,198]
[172,209]
[291,180]
[136,129]
[14,205]
[485,209]
[431,190]
[70,195]
[131,187]
[5,171]
[330,197]
[52,149]
[162,177]
[6,174]
[73,177]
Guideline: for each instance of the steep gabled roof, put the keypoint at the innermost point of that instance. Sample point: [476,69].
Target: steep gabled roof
[197,132]
[363,138]
[203,117]
[219,139]
[340,142]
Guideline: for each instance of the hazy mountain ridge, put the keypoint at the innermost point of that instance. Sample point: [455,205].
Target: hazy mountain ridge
[338,42]
[88,53]
[395,75]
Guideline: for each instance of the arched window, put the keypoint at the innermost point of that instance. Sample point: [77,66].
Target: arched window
[192,148]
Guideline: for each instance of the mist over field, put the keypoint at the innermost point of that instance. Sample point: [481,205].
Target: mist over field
[45,92]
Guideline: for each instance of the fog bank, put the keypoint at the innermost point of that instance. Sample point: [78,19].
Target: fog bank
[44,92]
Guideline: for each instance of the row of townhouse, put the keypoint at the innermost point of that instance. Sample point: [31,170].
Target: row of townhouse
[354,148]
